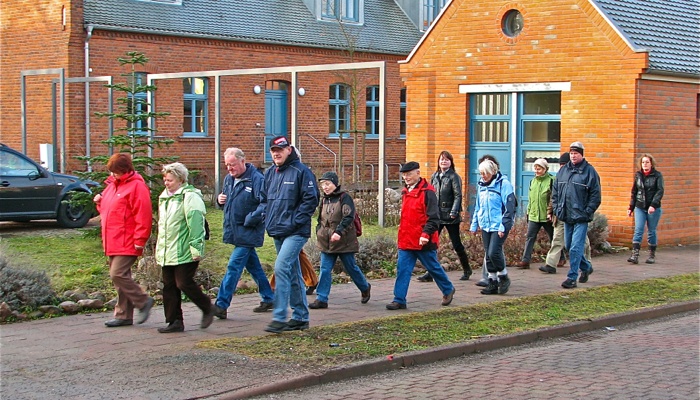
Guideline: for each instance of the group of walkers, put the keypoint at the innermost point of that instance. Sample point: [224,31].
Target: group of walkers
[283,200]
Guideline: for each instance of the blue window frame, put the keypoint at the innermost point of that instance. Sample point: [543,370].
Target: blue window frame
[372,112]
[338,109]
[194,121]
[137,104]
[342,10]
[431,9]
[402,114]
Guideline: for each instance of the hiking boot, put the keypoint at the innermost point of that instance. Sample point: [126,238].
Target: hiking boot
[584,275]
[426,277]
[175,326]
[276,327]
[145,311]
[318,304]
[366,294]
[652,255]
[219,312]
[568,284]
[503,284]
[395,306]
[296,325]
[446,300]
[482,283]
[465,276]
[464,261]
[491,288]
[522,265]
[634,258]
[548,269]
[207,318]
[264,306]
[310,290]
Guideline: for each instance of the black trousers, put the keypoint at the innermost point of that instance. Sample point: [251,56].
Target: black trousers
[178,279]
[455,238]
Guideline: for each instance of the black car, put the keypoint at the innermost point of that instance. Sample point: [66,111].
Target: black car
[29,191]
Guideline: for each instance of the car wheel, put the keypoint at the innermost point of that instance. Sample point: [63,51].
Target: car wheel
[71,216]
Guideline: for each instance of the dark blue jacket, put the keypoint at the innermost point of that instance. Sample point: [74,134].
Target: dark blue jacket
[576,193]
[292,197]
[244,211]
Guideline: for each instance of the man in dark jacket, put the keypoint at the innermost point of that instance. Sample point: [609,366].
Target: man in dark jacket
[575,198]
[291,197]
[418,237]
[244,211]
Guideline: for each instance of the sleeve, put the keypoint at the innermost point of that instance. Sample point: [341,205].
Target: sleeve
[143,214]
[656,201]
[432,211]
[257,216]
[228,181]
[309,197]
[633,193]
[194,216]
[347,203]
[475,219]
[457,192]
[594,196]
[508,199]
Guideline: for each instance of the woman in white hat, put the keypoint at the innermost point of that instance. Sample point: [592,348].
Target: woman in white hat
[538,199]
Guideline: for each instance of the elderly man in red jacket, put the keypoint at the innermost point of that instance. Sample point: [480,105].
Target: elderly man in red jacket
[418,237]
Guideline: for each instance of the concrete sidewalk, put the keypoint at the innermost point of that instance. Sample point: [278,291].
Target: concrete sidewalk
[77,357]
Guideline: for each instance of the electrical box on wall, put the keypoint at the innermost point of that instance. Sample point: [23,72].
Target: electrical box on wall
[46,156]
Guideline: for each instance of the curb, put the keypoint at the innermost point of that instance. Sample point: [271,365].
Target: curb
[421,357]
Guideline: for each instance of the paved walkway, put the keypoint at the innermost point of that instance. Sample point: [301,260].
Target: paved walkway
[77,357]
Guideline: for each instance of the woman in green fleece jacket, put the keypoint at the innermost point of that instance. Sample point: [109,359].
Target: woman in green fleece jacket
[180,246]
[538,200]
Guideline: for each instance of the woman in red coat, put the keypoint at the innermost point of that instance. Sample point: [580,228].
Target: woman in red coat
[125,209]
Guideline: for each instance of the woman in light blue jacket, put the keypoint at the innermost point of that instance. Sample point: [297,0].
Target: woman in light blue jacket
[494,212]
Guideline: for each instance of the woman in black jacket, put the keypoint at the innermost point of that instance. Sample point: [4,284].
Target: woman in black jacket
[448,187]
[645,203]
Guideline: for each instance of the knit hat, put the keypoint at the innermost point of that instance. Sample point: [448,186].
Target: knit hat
[577,147]
[564,159]
[542,163]
[409,166]
[329,176]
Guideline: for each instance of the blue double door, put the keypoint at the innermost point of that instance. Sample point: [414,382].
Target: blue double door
[275,113]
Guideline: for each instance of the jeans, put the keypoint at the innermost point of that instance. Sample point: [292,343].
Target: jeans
[642,217]
[289,285]
[575,236]
[556,252]
[533,228]
[326,278]
[404,270]
[493,247]
[243,257]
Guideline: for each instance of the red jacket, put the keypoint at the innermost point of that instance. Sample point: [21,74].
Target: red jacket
[126,214]
[419,217]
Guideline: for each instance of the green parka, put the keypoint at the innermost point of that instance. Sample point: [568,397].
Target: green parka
[180,226]
[538,197]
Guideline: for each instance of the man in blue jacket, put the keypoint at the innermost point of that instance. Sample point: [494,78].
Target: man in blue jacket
[575,198]
[291,199]
[244,212]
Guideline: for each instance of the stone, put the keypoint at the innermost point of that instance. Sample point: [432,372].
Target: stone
[77,296]
[69,307]
[50,310]
[91,304]
[98,296]
[110,304]
[5,311]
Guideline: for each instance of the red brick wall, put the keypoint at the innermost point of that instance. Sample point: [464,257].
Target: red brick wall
[562,41]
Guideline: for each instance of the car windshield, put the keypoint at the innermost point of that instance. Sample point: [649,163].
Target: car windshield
[13,165]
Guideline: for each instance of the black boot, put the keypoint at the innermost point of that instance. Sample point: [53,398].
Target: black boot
[652,255]
[634,258]
[464,260]
[492,288]
[503,284]
[426,277]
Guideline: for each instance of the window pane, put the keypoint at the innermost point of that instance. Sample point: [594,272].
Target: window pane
[188,108]
[332,92]
[332,127]
[187,124]
[403,95]
[187,85]
[199,104]
[491,131]
[342,92]
[491,104]
[199,85]
[199,124]
[542,131]
[542,103]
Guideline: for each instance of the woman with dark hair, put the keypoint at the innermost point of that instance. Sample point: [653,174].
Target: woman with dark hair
[126,217]
[645,203]
[448,187]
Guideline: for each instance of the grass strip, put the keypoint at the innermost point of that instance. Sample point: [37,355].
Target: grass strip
[354,341]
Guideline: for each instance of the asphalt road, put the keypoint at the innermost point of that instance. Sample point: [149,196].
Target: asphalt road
[656,359]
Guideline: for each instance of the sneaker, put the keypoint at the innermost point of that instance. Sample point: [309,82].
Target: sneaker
[310,290]
[426,277]
[264,306]
[219,312]
[145,311]
[584,275]
[491,288]
[548,269]
[318,304]
[503,284]
[568,284]
[482,283]
[207,318]
[522,265]
[175,326]
[446,300]
[296,325]
[366,294]
[276,327]
[395,306]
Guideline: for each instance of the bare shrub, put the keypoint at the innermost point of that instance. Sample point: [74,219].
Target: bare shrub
[24,288]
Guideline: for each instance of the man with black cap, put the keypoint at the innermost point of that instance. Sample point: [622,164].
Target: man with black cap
[575,198]
[418,237]
[556,256]
[291,197]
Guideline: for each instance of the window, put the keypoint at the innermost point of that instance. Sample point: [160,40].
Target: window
[512,23]
[137,103]
[194,122]
[372,112]
[491,117]
[402,115]
[431,9]
[338,109]
[541,117]
[341,10]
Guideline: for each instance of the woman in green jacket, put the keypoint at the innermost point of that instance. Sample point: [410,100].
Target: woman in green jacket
[538,200]
[180,247]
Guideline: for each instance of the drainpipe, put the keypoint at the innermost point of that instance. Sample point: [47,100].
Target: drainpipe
[87,95]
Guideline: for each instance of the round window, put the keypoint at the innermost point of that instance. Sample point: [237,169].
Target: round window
[512,23]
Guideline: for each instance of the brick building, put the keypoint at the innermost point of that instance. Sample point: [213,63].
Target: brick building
[524,79]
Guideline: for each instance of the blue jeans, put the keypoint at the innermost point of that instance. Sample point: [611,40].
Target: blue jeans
[289,285]
[641,218]
[575,240]
[493,249]
[404,270]
[243,257]
[326,277]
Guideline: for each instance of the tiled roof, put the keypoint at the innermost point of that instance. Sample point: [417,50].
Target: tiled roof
[668,29]
[386,30]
